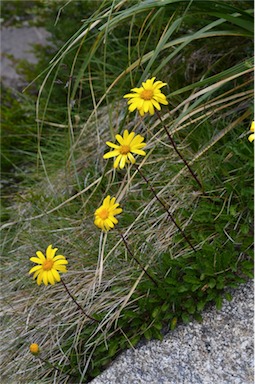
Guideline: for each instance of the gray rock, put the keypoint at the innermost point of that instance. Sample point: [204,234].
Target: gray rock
[217,351]
[16,44]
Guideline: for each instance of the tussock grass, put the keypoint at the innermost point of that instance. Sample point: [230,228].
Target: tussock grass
[153,278]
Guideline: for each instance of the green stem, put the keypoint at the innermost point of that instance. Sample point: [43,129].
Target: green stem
[55,367]
[78,305]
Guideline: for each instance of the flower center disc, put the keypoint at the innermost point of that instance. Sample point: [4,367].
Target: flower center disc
[147,94]
[47,265]
[104,214]
[124,149]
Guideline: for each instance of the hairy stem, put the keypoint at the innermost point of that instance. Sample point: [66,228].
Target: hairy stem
[138,262]
[77,304]
[165,208]
[179,153]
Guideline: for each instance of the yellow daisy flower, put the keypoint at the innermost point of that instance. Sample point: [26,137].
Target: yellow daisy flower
[129,143]
[34,349]
[105,215]
[148,96]
[252,136]
[49,267]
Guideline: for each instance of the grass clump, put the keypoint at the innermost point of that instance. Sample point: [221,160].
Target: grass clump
[185,231]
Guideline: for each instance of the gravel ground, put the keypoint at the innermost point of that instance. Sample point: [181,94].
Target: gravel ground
[217,351]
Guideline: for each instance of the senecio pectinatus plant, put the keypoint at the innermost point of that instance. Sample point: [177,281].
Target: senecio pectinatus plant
[49,267]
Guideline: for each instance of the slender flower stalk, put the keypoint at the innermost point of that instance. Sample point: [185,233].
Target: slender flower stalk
[179,153]
[165,208]
[137,261]
[77,304]
[148,98]
[35,350]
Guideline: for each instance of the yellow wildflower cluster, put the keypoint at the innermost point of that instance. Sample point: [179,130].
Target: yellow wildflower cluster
[145,99]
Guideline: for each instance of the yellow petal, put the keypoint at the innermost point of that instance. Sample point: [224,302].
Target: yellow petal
[113,219]
[125,135]
[59,257]
[110,154]
[117,211]
[56,275]
[45,278]
[123,161]
[151,109]
[131,158]
[112,202]
[107,201]
[115,146]
[51,278]
[36,274]
[116,162]
[40,255]
[132,107]
[39,278]
[156,104]
[36,268]
[139,152]
[109,222]
[36,260]
[50,252]
[120,139]
[60,262]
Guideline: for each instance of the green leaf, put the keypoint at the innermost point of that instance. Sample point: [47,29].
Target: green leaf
[228,296]
[134,340]
[148,334]
[212,283]
[218,302]
[155,312]
[170,281]
[245,229]
[200,306]
[185,318]
[236,20]
[173,323]
[198,317]
[195,287]
[157,334]
[165,307]
[158,325]
[191,279]
[183,288]
[248,264]
[250,274]
[191,309]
